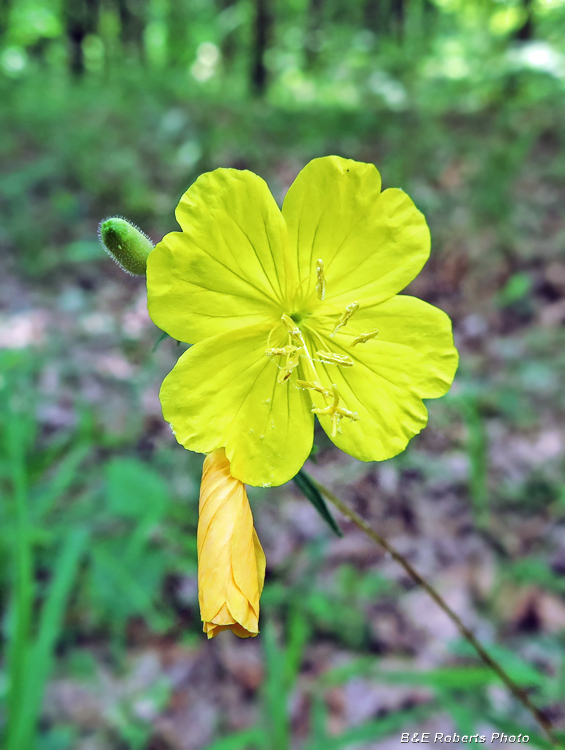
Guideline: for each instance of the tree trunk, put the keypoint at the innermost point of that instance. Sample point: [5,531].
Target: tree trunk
[372,11]
[526,31]
[398,17]
[315,15]
[261,36]
[81,19]
[228,45]
[132,15]
[5,8]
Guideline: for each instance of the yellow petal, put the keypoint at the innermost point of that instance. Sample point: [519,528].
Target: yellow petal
[223,392]
[372,244]
[229,267]
[411,358]
[231,562]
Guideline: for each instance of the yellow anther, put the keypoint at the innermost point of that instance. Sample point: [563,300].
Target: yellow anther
[352,415]
[290,325]
[292,359]
[315,386]
[320,279]
[280,351]
[291,364]
[290,350]
[364,337]
[331,358]
[345,317]
[335,412]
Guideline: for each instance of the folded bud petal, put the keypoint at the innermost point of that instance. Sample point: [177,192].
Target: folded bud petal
[231,561]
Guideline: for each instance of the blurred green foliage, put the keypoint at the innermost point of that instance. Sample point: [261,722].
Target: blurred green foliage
[116,106]
[79,519]
[119,105]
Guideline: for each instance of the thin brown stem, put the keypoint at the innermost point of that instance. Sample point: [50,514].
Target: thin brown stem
[515,689]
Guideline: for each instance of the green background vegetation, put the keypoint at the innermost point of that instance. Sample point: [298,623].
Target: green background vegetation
[115,107]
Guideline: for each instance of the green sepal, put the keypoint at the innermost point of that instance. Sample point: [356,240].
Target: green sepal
[162,337]
[308,488]
[126,244]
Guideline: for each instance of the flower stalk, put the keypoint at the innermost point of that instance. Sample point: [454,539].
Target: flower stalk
[519,693]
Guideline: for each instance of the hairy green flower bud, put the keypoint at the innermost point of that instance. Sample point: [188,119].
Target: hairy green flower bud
[126,244]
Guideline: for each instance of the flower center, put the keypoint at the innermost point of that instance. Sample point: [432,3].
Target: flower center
[295,352]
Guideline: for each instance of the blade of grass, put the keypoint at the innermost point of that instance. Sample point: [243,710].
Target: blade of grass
[298,633]
[66,473]
[318,738]
[20,619]
[39,661]
[275,691]
[379,728]
[477,451]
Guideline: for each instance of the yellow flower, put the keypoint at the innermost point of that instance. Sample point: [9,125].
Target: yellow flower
[297,313]
[231,562]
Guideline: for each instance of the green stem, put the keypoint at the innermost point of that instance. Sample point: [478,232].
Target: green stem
[520,694]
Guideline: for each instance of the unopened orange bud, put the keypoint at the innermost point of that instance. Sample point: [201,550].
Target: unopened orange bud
[231,561]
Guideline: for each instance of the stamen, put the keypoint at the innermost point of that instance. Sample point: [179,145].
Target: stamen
[364,337]
[335,412]
[282,351]
[314,387]
[290,325]
[291,364]
[335,393]
[331,358]
[352,415]
[345,317]
[321,281]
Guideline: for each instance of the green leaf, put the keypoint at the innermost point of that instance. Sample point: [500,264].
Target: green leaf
[377,728]
[307,487]
[162,337]
[135,491]
[516,288]
[519,670]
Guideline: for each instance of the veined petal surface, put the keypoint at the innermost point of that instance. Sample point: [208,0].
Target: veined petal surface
[229,267]
[372,244]
[223,392]
[411,358]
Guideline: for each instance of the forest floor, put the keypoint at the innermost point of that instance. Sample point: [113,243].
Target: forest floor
[476,503]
